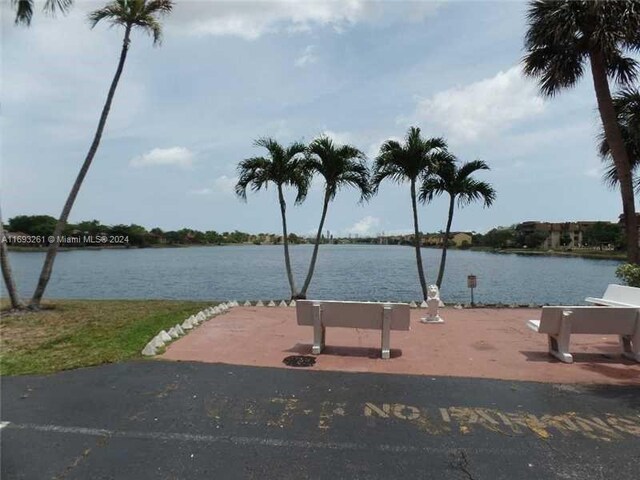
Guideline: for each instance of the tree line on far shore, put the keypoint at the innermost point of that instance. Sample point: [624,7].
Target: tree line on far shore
[42,226]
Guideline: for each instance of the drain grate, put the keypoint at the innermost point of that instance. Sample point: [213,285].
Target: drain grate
[299,361]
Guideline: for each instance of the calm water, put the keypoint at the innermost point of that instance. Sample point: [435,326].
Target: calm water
[367,272]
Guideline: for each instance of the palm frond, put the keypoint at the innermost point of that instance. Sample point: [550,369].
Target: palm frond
[143,14]
[562,34]
[24,11]
[54,6]
[473,191]
[431,187]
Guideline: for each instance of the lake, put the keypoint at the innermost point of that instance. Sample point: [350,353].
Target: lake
[343,272]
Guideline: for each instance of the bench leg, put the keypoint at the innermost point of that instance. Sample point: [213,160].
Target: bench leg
[386,333]
[631,346]
[559,344]
[318,331]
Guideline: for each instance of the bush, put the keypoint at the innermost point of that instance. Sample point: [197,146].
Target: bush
[629,273]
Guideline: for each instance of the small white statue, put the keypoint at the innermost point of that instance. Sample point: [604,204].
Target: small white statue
[433,303]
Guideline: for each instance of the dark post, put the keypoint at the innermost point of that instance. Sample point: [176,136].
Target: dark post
[472,282]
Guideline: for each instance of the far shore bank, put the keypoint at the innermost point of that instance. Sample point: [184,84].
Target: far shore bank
[583,253]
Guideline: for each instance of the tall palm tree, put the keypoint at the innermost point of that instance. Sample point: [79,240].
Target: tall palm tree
[461,186]
[417,158]
[283,167]
[562,37]
[24,9]
[7,274]
[129,14]
[340,166]
[24,14]
[627,106]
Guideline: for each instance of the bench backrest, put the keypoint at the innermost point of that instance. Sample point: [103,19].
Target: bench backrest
[597,320]
[365,315]
[622,294]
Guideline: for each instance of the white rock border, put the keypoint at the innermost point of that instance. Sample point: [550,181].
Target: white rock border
[167,336]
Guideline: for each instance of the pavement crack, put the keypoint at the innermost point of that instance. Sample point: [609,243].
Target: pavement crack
[460,462]
[80,458]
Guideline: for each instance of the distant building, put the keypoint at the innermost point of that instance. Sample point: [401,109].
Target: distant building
[456,238]
[563,234]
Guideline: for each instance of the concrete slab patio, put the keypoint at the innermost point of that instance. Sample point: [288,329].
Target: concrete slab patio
[477,343]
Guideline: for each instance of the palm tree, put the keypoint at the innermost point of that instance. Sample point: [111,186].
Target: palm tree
[417,158]
[128,14]
[24,13]
[340,166]
[562,37]
[284,167]
[459,184]
[627,106]
[7,274]
[24,9]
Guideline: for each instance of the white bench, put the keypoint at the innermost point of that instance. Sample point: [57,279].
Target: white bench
[365,315]
[618,296]
[560,322]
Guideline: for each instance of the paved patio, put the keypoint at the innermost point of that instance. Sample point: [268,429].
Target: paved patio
[479,343]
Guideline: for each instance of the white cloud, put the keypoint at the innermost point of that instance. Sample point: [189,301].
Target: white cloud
[222,185]
[593,172]
[252,19]
[201,191]
[175,156]
[484,107]
[364,226]
[308,57]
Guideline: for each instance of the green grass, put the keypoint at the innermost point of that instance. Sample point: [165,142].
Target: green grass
[79,333]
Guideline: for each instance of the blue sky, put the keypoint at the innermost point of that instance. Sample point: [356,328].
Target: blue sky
[229,72]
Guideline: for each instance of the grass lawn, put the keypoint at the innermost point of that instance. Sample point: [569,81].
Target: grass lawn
[79,333]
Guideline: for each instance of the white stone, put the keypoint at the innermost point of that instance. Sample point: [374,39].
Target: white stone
[179,329]
[246,304]
[271,304]
[412,304]
[164,336]
[259,304]
[282,304]
[149,350]
[187,325]
[423,304]
[458,306]
[157,342]
[292,303]
[234,303]
[173,333]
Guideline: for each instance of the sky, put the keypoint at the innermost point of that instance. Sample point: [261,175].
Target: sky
[228,72]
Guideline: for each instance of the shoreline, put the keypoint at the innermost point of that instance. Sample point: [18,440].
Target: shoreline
[590,254]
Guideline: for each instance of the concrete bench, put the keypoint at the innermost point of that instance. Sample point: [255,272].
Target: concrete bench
[366,315]
[560,322]
[618,296]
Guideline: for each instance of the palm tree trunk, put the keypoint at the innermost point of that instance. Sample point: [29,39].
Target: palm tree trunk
[417,242]
[62,221]
[445,244]
[6,271]
[618,151]
[285,241]
[314,255]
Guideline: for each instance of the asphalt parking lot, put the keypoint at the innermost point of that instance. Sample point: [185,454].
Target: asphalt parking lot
[175,420]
